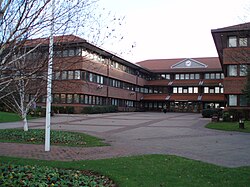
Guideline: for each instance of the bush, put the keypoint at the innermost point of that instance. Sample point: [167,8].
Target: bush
[63,109]
[99,109]
[236,115]
[208,113]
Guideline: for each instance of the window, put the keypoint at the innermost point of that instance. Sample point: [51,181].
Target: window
[217,75]
[57,75]
[243,100]
[232,100]
[70,75]
[206,75]
[197,76]
[63,98]
[76,98]
[71,52]
[190,89]
[206,89]
[212,76]
[56,98]
[195,89]
[175,90]
[65,53]
[77,75]
[232,41]
[179,89]
[242,42]
[191,76]
[64,75]
[69,98]
[217,89]
[232,70]
[243,70]
[177,76]
[182,76]
[186,76]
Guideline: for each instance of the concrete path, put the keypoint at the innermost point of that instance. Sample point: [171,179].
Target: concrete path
[181,134]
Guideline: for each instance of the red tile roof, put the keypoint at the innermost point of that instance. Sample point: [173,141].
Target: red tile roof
[163,65]
[57,39]
[239,27]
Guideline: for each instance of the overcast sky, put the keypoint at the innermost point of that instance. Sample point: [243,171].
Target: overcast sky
[165,29]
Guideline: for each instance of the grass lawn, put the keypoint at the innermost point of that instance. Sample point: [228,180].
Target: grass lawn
[37,136]
[152,171]
[10,117]
[229,126]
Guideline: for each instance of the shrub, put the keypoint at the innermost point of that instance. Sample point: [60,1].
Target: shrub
[99,109]
[63,109]
[208,113]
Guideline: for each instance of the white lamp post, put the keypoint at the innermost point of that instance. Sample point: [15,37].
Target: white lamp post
[49,81]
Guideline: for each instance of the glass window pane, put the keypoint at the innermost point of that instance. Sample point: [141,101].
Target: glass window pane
[217,89]
[232,41]
[177,76]
[232,100]
[77,74]
[232,70]
[182,76]
[179,89]
[243,100]
[69,98]
[197,76]
[242,42]
[206,75]
[217,76]
[64,75]
[191,76]
[71,52]
[195,89]
[70,75]
[175,90]
[190,89]
[206,89]
[243,70]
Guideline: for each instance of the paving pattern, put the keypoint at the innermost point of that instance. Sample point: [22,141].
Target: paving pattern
[181,134]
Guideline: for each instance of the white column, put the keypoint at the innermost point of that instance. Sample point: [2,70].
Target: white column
[49,81]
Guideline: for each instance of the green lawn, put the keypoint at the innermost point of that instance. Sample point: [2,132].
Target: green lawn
[152,171]
[10,117]
[62,138]
[229,126]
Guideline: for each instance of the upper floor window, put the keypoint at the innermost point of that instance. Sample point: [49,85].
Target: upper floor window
[242,42]
[232,70]
[243,70]
[232,41]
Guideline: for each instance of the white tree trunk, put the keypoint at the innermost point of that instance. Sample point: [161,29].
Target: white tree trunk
[25,124]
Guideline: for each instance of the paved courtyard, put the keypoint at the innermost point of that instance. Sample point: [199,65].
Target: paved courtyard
[181,134]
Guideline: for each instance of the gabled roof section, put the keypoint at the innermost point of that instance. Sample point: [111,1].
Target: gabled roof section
[165,65]
[239,27]
[189,63]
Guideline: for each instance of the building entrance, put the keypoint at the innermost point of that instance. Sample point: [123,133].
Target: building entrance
[184,106]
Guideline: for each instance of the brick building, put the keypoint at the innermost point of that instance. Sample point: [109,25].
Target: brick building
[86,75]
[233,47]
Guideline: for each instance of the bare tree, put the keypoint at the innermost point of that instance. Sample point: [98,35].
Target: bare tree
[24,35]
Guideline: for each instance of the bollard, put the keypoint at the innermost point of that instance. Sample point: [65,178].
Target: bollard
[241,124]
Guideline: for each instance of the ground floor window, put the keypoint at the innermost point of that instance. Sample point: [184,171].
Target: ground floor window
[232,100]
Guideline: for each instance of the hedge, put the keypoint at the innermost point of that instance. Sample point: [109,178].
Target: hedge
[99,109]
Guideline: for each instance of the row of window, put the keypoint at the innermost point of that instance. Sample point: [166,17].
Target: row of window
[214,76]
[90,100]
[237,100]
[234,41]
[187,76]
[185,90]
[236,70]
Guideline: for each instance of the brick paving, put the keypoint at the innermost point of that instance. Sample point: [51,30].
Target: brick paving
[180,134]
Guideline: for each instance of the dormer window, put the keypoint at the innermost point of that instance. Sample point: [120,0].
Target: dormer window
[232,41]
